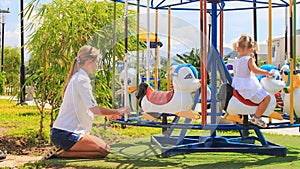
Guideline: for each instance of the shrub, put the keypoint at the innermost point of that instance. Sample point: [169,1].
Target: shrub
[2,83]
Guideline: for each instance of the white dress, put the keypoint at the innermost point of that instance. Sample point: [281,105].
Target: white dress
[245,81]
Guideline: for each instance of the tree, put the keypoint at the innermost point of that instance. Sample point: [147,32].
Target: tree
[12,69]
[2,82]
[194,59]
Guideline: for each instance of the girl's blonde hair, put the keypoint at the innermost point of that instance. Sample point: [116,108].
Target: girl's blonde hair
[245,42]
[85,53]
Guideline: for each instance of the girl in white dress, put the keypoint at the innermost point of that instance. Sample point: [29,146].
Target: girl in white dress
[245,81]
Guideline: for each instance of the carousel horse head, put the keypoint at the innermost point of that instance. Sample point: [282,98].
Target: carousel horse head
[185,78]
[131,79]
[273,83]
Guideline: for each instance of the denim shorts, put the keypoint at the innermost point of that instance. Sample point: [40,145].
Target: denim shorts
[64,139]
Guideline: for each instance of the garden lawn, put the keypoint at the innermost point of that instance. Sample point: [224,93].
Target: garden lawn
[139,153]
[21,121]
[24,122]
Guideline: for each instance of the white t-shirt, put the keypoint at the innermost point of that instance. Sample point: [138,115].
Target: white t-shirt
[75,115]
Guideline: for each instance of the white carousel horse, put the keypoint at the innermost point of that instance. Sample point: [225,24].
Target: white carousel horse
[296,90]
[131,86]
[179,101]
[235,104]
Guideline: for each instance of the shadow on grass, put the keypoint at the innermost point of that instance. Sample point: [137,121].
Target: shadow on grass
[139,150]
[197,160]
[140,153]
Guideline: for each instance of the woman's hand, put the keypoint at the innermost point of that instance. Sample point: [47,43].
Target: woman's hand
[114,116]
[119,113]
[123,110]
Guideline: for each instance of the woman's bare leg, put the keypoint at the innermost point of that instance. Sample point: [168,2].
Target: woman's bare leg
[81,154]
[87,147]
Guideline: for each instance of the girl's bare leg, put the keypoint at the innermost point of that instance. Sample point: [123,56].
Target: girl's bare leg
[262,107]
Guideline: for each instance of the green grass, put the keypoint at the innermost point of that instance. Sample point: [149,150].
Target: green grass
[24,121]
[131,147]
[20,121]
[139,153]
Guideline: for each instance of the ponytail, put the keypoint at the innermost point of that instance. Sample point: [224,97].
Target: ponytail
[235,45]
[85,53]
[74,68]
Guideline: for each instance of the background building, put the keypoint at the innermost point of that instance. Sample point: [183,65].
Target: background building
[278,50]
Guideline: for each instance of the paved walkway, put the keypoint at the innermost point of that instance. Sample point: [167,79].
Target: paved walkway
[283,131]
[294,131]
[28,102]
[9,98]
[13,161]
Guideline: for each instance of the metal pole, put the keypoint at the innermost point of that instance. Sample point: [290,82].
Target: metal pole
[126,101]
[291,65]
[138,52]
[148,44]
[157,59]
[255,28]
[294,31]
[214,66]
[169,50]
[114,57]
[204,66]
[2,44]
[221,32]
[22,67]
[286,35]
[270,33]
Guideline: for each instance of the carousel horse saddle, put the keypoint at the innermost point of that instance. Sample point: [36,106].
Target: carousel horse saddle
[243,100]
[159,97]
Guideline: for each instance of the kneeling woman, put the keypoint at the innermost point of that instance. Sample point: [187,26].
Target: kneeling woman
[71,130]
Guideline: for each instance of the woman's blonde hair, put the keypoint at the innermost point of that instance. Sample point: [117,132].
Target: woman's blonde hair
[245,42]
[85,53]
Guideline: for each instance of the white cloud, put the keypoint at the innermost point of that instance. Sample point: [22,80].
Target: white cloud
[184,34]
[229,45]
[12,38]
[4,3]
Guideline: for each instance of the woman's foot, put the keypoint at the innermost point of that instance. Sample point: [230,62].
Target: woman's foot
[258,121]
[52,153]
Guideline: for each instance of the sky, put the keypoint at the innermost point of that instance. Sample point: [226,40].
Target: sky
[184,25]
